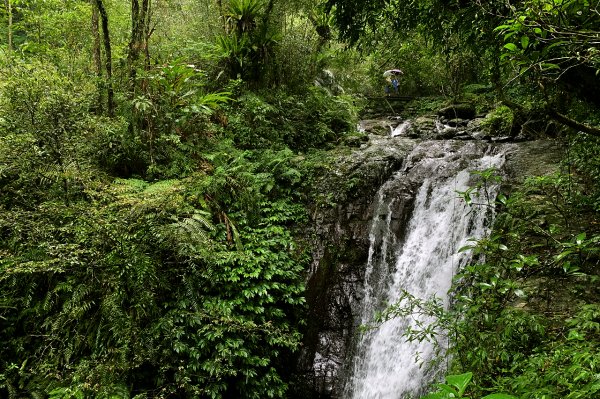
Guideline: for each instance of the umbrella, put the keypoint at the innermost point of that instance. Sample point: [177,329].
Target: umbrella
[391,72]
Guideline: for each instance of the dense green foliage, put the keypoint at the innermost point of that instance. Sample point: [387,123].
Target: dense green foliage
[149,244]
[154,164]
[189,286]
[153,286]
[530,309]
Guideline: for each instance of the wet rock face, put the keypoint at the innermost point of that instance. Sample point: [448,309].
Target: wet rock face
[340,249]
[340,235]
[440,128]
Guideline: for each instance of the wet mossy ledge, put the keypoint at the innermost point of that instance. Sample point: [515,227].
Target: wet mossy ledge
[475,118]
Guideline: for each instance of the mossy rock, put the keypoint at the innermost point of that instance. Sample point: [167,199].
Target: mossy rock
[380,127]
[355,140]
[424,125]
[499,122]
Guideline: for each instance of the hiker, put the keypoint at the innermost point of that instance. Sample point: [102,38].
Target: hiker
[391,77]
[388,84]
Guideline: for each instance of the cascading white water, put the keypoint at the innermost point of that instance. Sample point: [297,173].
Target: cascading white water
[422,263]
[401,129]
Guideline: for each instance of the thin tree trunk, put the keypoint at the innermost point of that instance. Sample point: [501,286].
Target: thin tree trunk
[140,34]
[572,123]
[108,57]
[138,45]
[267,14]
[133,54]
[146,31]
[8,4]
[97,55]
[222,16]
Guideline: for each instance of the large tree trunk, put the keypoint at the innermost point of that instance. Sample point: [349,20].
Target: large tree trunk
[107,57]
[97,56]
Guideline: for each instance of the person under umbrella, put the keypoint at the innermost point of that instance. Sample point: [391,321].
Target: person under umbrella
[391,77]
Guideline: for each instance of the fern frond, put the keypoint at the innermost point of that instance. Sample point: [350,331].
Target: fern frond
[232,232]
[189,236]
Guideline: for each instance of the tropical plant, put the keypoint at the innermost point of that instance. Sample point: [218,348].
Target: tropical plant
[456,387]
[173,120]
[182,287]
[249,41]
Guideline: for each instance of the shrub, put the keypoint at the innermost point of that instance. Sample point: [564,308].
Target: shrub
[499,121]
[45,130]
[310,119]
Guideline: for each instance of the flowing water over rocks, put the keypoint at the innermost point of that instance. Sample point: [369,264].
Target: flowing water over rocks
[423,262]
[398,227]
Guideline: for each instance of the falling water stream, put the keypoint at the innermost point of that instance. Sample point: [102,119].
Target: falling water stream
[421,259]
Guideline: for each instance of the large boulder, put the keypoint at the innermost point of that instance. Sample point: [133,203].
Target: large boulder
[458,111]
[424,125]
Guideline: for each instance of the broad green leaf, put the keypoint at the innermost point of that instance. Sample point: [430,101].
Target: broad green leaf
[524,42]
[465,248]
[448,390]
[563,254]
[510,46]
[460,381]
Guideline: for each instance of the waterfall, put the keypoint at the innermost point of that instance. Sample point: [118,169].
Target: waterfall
[401,129]
[421,259]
